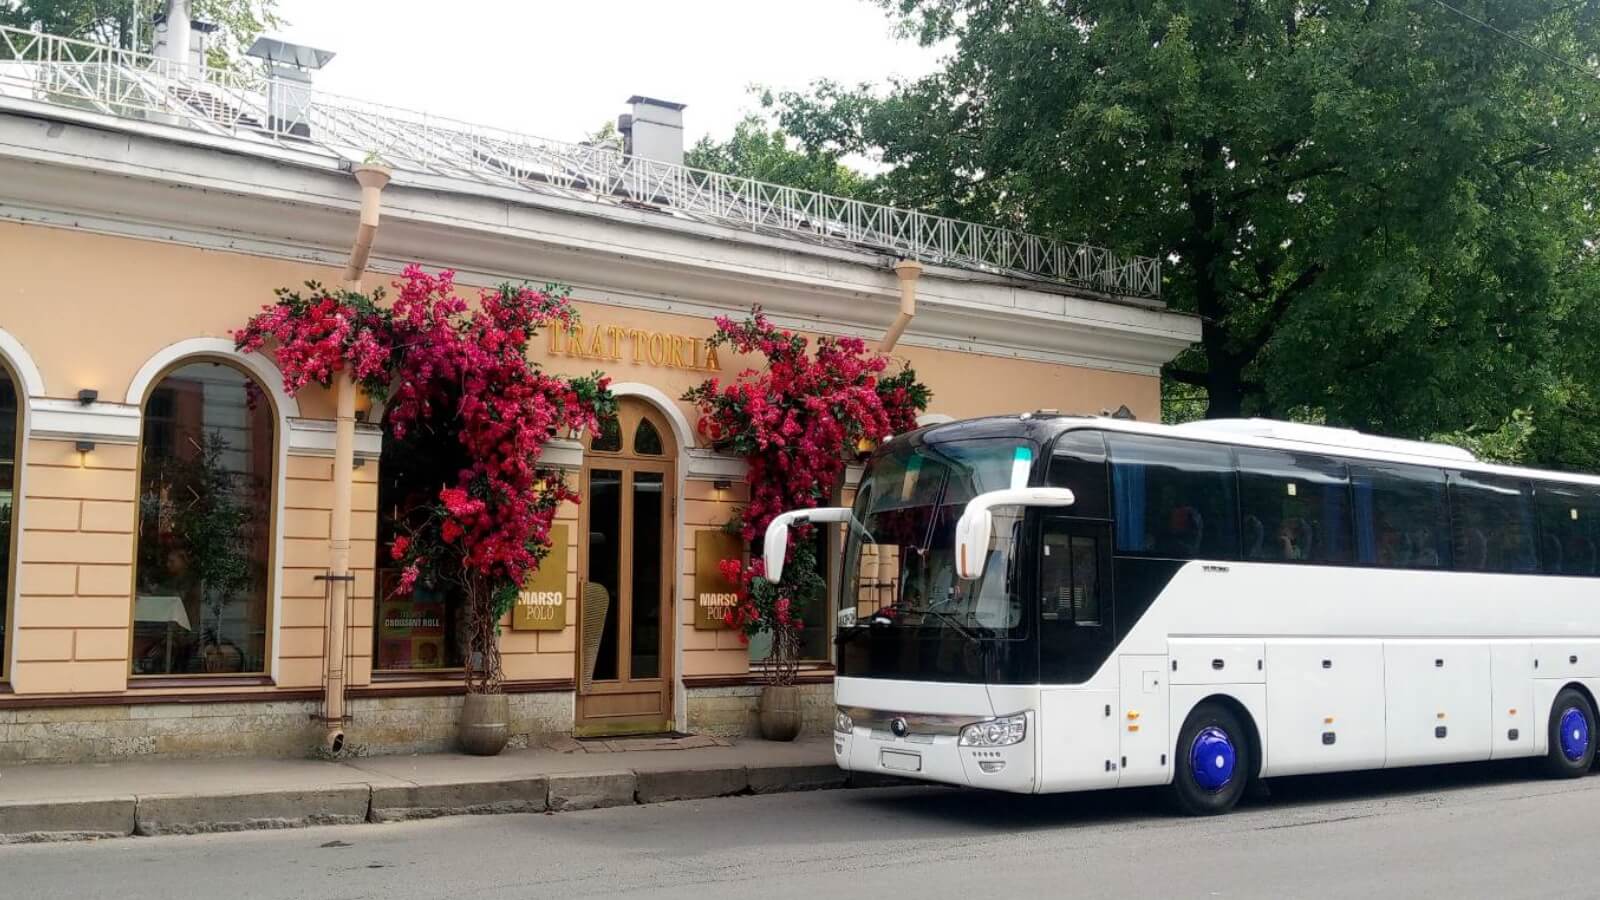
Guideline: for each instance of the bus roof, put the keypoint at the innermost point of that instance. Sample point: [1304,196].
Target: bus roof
[1267,434]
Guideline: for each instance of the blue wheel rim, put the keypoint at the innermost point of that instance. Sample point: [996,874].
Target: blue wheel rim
[1212,759]
[1574,733]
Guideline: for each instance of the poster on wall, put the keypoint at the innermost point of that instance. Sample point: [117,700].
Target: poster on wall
[713,594]
[411,628]
[542,603]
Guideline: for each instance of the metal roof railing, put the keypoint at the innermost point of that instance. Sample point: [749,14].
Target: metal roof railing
[251,105]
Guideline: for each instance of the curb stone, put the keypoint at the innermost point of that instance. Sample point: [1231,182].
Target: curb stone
[349,804]
[691,784]
[66,820]
[427,801]
[784,779]
[185,814]
[591,791]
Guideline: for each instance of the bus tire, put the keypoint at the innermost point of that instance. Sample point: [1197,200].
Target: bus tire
[1571,735]
[1212,764]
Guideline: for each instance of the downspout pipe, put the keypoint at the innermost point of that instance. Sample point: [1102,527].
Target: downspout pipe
[907,270]
[372,179]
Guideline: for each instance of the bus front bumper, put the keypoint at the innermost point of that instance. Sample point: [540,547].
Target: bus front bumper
[939,758]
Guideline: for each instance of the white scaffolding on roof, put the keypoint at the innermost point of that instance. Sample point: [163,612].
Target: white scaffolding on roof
[42,68]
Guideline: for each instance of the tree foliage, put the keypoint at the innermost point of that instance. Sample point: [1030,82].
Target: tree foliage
[113,21]
[1380,209]
[757,151]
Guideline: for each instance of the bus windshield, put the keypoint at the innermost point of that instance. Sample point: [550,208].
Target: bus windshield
[899,566]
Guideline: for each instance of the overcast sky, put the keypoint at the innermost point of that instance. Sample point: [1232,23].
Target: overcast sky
[562,68]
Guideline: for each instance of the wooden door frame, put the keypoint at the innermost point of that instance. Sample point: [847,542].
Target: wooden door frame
[629,464]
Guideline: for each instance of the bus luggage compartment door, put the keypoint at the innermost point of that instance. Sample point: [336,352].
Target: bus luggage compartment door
[1437,701]
[1146,745]
[1324,706]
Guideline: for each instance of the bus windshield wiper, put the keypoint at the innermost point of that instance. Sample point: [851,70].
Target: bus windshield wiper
[954,621]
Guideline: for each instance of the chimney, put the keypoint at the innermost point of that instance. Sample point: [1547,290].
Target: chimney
[174,33]
[289,98]
[654,131]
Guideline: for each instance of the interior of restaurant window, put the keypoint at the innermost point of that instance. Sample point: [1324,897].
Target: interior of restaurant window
[201,582]
[811,610]
[10,422]
[423,630]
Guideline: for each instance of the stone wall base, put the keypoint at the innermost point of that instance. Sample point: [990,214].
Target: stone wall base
[731,711]
[378,725]
[271,728]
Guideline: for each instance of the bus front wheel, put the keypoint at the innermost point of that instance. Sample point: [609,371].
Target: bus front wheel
[1212,765]
[1571,735]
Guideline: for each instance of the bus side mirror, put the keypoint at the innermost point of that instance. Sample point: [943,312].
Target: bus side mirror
[775,545]
[976,524]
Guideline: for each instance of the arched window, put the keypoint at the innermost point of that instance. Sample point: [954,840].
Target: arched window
[10,451]
[202,587]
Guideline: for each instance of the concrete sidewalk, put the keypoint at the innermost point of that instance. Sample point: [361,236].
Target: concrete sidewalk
[44,803]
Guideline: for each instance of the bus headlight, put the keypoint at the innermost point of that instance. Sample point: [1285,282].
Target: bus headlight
[842,723]
[1002,732]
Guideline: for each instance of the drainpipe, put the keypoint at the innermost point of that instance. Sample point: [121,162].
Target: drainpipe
[372,180]
[907,270]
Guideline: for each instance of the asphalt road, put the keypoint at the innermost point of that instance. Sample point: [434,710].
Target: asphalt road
[1461,832]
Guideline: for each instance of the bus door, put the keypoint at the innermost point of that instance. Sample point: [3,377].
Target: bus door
[1079,717]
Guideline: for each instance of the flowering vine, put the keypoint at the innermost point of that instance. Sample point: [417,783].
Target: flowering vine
[797,422]
[458,381]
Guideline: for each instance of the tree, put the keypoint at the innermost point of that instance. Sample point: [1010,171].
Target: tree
[113,21]
[755,151]
[1380,210]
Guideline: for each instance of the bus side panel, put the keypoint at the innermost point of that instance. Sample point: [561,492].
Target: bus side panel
[1078,746]
[1324,706]
[1146,746]
[1437,696]
[1513,720]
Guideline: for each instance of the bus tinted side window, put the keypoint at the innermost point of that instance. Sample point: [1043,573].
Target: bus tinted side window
[1493,524]
[1173,499]
[1569,529]
[1078,463]
[1295,507]
[1402,519]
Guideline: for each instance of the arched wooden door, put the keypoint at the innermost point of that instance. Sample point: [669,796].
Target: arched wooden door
[625,629]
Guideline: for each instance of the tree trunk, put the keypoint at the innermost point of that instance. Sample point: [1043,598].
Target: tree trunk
[482,662]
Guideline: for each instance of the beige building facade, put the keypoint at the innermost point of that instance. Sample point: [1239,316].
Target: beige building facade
[133,246]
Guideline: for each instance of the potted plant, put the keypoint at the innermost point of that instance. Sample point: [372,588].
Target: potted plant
[772,609]
[455,377]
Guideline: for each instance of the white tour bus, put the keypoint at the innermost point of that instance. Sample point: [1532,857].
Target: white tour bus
[1048,603]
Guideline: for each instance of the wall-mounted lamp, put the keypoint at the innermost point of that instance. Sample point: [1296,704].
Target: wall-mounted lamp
[88,396]
[721,485]
[84,445]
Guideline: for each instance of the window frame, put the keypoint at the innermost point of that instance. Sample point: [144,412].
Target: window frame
[1234,552]
[275,478]
[8,578]
[1589,497]
[1347,491]
[1525,490]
